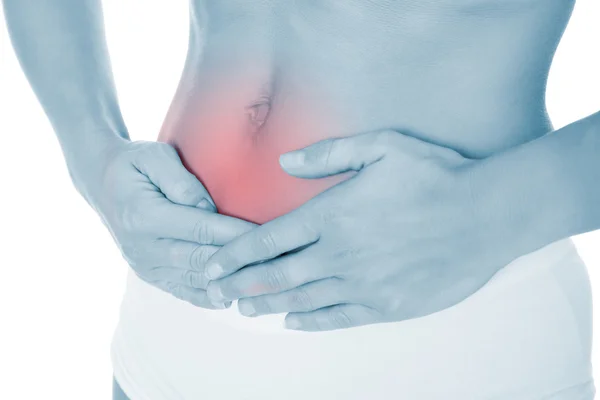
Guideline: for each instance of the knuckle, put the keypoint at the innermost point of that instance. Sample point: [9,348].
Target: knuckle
[274,278]
[198,258]
[327,150]
[300,300]
[202,233]
[190,278]
[267,243]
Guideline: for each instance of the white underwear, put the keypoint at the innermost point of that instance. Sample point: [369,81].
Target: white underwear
[526,334]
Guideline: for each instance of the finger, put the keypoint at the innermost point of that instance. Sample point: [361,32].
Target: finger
[267,241]
[339,316]
[173,221]
[277,275]
[193,296]
[274,276]
[179,276]
[170,253]
[305,298]
[337,155]
[161,163]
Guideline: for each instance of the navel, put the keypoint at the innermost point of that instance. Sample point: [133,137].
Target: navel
[258,112]
[259,107]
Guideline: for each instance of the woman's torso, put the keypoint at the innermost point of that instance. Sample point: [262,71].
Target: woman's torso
[468,74]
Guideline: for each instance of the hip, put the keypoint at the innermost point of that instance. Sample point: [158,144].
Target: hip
[525,335]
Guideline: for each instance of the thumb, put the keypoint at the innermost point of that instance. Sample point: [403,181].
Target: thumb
[336,155]
[160,162]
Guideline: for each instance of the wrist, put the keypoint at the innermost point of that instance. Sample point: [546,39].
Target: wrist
[544,190]
[526,196]
[87,157]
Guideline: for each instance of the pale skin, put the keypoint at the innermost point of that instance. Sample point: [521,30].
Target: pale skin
[383,247]
[379,247]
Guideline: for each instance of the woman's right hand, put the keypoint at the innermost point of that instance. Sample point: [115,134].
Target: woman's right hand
[161,217]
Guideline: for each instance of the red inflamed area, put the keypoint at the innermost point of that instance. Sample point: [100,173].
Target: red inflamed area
[237,158]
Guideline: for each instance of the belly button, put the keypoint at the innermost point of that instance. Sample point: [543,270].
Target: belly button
[258,113]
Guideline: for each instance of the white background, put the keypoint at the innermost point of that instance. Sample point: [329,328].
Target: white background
[62,277]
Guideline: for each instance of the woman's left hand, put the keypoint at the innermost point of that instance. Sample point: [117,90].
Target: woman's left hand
[403,238]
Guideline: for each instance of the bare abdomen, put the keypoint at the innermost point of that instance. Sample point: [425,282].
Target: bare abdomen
[457,80]
[236,157]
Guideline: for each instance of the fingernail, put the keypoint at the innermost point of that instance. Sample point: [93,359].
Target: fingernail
[246,309]
[292,323]
[213,271]
[206,205]
[293,159]
[220,306]
[215,294]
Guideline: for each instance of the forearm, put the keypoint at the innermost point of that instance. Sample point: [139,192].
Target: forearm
[544,190]
[62,50]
